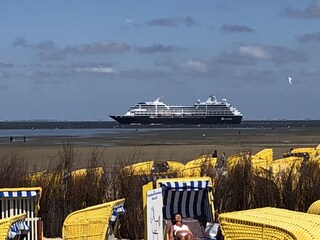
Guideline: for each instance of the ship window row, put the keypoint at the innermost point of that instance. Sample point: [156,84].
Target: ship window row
[191,113]
[149,107]
[145,104]
[202,108]
[184,107]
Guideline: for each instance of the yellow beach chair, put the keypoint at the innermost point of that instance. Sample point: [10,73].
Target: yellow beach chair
[314,208]
[261,160]
[152,168]
[93,223]
[6,223]
[288,164]
[141,168]
[174,167]
[16,201]
[193,167]
[270,224]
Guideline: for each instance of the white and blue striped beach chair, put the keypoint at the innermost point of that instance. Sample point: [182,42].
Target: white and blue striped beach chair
[19,228]
[191,197]
[15,201]
[117,210]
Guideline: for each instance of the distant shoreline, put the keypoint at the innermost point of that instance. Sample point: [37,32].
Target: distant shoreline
[42,124]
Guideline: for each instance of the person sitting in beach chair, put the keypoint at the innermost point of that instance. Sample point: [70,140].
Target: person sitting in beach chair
[178,230]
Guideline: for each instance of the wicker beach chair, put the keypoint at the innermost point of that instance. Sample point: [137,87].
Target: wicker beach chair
[314,208]
[92,223]
[270,224]
[193,167]
[6,223]
[15,201]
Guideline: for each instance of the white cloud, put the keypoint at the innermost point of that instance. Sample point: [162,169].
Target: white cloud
[96,69]
[255,52]
[195,66]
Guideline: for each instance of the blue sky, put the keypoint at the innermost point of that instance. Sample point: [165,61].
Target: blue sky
[85,60]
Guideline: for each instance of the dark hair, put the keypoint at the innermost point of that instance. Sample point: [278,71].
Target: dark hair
[173,219]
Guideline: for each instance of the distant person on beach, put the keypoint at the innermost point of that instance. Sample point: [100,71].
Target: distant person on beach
[223,158]
[215,154]
[289,152]
[11,139]
[24,138]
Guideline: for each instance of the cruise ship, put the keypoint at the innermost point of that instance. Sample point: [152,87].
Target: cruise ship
[154,112]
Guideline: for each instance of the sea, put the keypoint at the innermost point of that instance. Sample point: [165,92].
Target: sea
[96,128]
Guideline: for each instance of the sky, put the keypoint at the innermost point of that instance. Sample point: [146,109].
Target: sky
[86,60]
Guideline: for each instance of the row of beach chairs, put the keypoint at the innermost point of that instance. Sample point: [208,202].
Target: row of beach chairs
[19,220]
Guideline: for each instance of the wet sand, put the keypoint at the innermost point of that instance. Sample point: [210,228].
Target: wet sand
[161,145]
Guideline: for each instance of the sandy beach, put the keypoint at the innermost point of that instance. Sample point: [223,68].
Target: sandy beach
[137,145]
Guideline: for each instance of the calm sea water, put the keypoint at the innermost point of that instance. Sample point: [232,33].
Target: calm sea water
[87,129]
[61,132]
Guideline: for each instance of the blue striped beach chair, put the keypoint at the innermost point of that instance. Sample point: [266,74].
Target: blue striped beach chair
[192,198]
[12,227]
[16,201]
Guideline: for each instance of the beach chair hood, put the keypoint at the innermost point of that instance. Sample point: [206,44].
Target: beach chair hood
[18,193]
[189,197]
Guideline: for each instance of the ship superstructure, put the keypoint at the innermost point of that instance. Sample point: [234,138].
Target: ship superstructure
[210,111]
